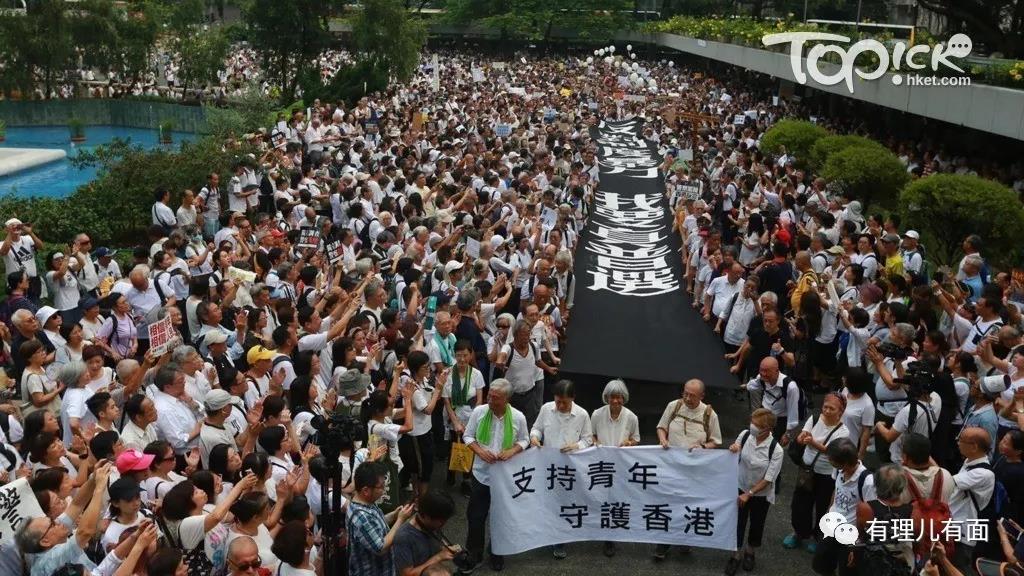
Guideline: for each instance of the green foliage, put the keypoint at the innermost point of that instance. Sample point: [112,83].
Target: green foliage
[247,114]
[289,37]
[116,206]
[3,127]
[945,208]
[829,145]
[534,19]
[37,48]
[794,136]
[348,84]
[387,40]
[868,173]
[202,55]
[76,127]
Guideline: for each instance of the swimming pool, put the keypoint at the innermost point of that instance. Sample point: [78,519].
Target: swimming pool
[59,179]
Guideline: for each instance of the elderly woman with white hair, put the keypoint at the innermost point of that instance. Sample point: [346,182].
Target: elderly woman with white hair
[502,335]
[613,423]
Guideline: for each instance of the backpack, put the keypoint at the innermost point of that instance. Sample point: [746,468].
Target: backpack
[705,420]
[364,234]
[930,516]
[196,560]
[803,403]
[881,558]
[999,501]
[771,449]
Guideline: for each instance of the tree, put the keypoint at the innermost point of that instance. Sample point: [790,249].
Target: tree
[795,137]
[945,208]
[387,38]
[997,24]
[202,56]
[829,145]
[289,37]
[37,47]
[867,174]
[537,19]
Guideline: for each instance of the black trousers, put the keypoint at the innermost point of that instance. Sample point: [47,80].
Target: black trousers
[807,508]
[476,518]
[831,558]
[756,512]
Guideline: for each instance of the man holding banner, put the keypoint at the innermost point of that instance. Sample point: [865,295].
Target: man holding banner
[496,432]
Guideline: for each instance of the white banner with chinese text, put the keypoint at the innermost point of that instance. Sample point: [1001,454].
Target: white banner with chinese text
[641,494]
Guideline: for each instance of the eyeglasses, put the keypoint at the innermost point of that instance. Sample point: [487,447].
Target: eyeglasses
[503,326]
[245,567]
[48,528]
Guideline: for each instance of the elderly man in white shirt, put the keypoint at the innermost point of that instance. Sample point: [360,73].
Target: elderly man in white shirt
[176,422]
[975,487]
[491,440]
[563,425]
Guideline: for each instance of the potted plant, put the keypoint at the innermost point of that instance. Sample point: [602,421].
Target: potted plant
[77,128]
[165,129]
[3,130]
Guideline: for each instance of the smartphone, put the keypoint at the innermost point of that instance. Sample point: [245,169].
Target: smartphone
[1013,530]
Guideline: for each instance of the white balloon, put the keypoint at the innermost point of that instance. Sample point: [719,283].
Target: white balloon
[629,47]
[633,56]
[596,52]
[590,59]
[608,60]
[633,76]
[636,66]
[611,49]
[671,63]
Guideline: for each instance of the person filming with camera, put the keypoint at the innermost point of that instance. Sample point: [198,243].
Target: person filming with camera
[887,362]
[419,543]
[920,413]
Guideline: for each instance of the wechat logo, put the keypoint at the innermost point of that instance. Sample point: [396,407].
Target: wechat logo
[834,525]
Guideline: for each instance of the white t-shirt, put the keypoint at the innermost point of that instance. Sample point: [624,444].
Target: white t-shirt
[388,432]
[22,256]
[422,422]
[64,290]
[924,424]
[156,487]
[615,431]
[820,431]
[74,407]
[859,414]
[476,382]
[113,532]
[263,541]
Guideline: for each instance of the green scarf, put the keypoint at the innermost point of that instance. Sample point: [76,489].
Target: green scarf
[483,433]
[461,387]
[446,346]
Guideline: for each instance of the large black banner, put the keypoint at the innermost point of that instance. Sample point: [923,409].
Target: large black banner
[632,316]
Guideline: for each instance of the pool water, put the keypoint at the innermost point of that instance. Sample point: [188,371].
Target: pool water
[60,179]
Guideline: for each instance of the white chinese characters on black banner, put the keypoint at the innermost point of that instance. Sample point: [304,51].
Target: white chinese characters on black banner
[631,232]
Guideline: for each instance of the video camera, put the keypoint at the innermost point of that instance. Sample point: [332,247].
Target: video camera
[918,379]
[335,432]
[894,351]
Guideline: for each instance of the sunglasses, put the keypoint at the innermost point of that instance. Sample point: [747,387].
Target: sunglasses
[245,567]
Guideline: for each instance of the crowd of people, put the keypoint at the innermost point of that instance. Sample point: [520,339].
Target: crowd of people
[413,276]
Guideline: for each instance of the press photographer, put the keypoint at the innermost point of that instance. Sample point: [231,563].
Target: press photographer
[886,368]
[420,544]
[920,413]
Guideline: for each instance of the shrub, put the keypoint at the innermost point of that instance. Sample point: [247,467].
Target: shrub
[868,174]
[115,208]
[795,136]
[829,145]
[945,208]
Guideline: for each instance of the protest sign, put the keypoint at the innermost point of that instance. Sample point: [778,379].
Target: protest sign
[239,276]
[478,75]
[473,247]
[162,336]
[17,504]
[739,119]
[309,237]
[333,251]
[690,190]
[503,130]
[643,494]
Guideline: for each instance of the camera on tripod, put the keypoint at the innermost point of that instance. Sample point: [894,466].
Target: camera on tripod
[335,433]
